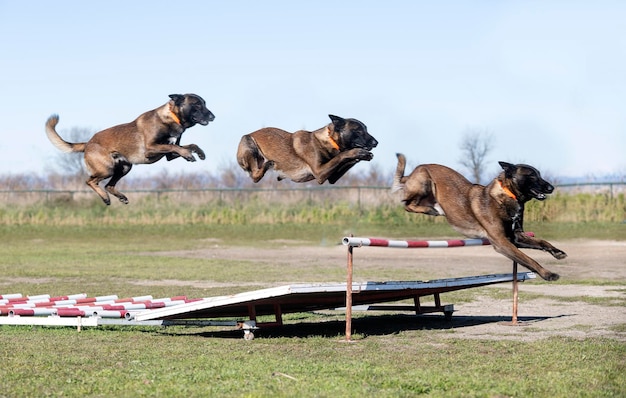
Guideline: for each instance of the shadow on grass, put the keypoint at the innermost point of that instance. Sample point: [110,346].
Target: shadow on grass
[373,325]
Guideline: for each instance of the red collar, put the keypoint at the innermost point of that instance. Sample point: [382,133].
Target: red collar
[507,191]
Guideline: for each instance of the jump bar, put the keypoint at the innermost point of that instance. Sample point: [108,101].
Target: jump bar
[358,242]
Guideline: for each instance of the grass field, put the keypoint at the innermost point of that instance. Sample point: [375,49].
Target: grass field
[393,356]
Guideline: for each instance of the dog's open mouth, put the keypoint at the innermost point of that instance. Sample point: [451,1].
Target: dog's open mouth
[541,193]
[204,122]
[368,147]
[204,119]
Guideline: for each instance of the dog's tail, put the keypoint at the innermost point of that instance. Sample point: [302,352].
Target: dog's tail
[398,178]
[59,142]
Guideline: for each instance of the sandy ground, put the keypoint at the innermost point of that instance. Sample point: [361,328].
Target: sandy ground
[568,308]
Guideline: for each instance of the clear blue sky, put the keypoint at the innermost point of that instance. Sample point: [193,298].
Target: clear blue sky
[547,78]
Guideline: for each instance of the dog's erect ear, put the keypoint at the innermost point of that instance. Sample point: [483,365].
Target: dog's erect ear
[338,122]
[509,169]
[178,98]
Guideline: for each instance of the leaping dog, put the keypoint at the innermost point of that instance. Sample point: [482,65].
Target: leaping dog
[324,154]
[494,212]
[111,153]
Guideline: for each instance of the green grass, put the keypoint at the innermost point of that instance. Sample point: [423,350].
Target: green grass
[393,356]
[180,362]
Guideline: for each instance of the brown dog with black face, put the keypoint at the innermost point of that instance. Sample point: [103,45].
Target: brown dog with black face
[324,154]
[494,212]
[111,153]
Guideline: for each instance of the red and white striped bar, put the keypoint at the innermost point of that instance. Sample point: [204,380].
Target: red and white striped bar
[409,244]
[10,296]
[33,311]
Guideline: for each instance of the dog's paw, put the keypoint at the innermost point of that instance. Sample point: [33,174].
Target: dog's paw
[196,149]
[363,154]
[189,157]
[559,255]
[552,277]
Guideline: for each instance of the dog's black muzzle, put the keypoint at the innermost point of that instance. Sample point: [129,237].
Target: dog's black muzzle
[205,118]
[369,144]
[540,194]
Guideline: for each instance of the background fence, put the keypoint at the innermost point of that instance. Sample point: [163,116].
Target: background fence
[363,196]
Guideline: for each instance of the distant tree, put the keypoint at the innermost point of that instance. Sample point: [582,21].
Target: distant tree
[72,163]
[475,146]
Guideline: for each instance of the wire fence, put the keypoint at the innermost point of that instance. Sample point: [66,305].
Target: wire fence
[359,195]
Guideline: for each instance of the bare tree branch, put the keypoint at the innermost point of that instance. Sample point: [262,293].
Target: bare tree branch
[475,146]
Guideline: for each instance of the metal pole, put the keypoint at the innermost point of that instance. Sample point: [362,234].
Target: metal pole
[515,294]
[349,297]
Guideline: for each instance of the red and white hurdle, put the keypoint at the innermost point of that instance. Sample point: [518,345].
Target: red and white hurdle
[353,242]
[408,244]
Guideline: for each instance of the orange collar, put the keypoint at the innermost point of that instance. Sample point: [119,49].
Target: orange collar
[332,141]
[507,191]
[176,119]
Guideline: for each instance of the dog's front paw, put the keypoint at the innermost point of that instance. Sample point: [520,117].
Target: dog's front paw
[188,155]
[363,154]
[559,254]
[196,149]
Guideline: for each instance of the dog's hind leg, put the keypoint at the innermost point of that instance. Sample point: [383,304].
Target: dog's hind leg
[101,166]
[251,159]
[428,208]
[426,204]
[419,193]
[122,167]
[93,182]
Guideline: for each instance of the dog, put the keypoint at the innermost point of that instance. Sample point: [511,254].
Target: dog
[325,154]
[112,152]
[494,212]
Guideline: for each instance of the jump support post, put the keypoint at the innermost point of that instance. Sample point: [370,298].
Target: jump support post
[515,295]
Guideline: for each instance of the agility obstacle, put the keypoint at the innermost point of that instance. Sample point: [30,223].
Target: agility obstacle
[353,242]
[358,242]
[274,301]
[79,310]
